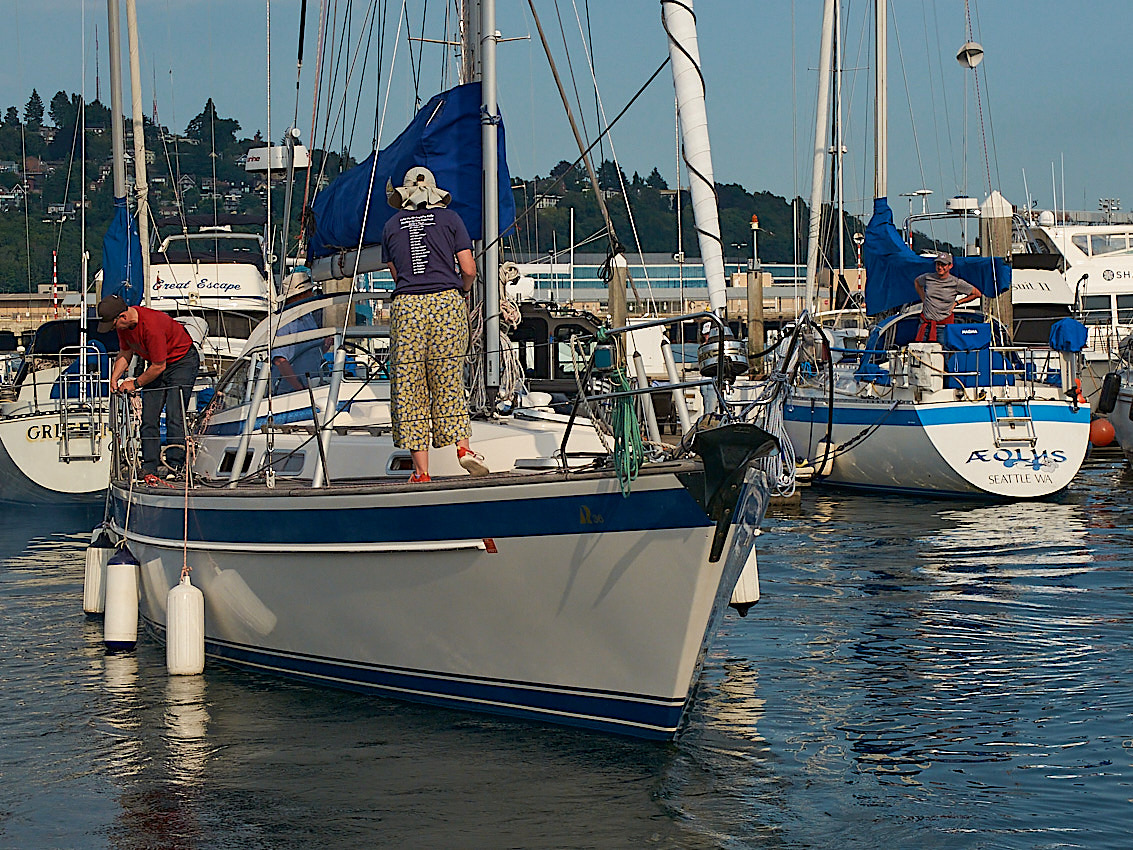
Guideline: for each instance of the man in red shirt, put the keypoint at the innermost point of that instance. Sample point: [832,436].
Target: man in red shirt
[172,364]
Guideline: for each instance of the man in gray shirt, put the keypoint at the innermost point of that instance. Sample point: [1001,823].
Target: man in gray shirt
[938,291]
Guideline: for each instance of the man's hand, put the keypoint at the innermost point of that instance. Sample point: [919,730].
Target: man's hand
[121,386]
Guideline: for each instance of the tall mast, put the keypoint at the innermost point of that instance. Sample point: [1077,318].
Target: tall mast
[140,186]
[688,82]
[489,121]
[880,105]
[117,133]
[820,153]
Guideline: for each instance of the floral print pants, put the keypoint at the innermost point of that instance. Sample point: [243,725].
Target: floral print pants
[428,346]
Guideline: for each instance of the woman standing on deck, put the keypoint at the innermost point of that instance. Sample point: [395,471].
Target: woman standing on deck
[429,254]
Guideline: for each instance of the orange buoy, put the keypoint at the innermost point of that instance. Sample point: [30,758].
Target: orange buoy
[1101,432]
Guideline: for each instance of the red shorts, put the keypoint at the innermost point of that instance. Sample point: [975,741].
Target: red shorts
[927,331]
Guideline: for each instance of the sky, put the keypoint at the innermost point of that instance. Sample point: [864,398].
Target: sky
[1051,113]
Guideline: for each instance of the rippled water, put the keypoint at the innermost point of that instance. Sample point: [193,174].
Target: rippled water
[918,674]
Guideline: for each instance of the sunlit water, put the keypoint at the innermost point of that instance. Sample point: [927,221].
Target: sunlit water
[918,674]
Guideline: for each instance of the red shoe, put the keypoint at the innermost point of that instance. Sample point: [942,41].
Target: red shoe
[419,479]
[472,461]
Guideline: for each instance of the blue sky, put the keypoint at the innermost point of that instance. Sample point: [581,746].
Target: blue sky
[1056,93]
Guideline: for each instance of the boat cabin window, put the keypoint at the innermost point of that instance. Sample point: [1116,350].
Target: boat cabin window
[1125,309]
[1112,243]
[1082,243]
[565,361]
[530,339]
[1096,310]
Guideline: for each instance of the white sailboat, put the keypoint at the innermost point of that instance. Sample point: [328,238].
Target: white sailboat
[570,585]
[970,416]
[54,415]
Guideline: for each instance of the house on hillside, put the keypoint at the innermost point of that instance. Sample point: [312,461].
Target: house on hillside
[13,198]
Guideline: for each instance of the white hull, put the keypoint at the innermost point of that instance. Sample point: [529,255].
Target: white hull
[942,449]
[1120,417]
[34,471]
[555,599]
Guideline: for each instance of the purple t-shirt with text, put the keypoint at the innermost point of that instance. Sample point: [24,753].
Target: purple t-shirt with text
[422,245]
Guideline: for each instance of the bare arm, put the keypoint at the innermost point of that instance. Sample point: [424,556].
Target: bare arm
[151,374]
[919,287]
[467,268]
[121,364]
[971,296]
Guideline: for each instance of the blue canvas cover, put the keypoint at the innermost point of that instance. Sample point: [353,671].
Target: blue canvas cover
[965,337]
[1068,335]
[445,138]
[891,266]
[122,257]
[98,375]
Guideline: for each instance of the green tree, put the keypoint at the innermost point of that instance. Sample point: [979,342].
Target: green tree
[655,180]
[64,110]
[33,111]
[213,132]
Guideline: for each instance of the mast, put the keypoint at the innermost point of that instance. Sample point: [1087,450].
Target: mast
[117,134]
[489,121]
[688,81]
[820,152]
[880,105]
[140,186]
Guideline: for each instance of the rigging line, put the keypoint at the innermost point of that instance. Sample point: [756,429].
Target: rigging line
[979,103]
[570,69]
[338,49]
[317,82]
[559,180]
[370,183]
[574,127]
[365,55]
[617,167]
[947,119]
[420,57]
[589,42]
[375,132]
[67,185]
[389,84]
[908,97]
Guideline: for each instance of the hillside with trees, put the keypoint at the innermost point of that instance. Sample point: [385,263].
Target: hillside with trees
[200,170]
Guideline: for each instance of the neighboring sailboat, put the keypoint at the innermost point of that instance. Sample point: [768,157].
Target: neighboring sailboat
[54,415]
[577,583]
[971,415]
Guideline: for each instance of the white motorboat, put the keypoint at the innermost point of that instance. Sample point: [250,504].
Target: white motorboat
[217,275]
[1095,263]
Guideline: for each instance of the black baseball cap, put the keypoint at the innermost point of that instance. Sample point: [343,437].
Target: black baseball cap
[109,309]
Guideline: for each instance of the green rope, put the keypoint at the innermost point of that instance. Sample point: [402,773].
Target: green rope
[629,451]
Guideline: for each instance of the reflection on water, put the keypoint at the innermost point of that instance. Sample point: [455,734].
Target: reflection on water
[917,674]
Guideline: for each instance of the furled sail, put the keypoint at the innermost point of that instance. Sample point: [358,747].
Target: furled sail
[445,138]
[891,266]
[122,256]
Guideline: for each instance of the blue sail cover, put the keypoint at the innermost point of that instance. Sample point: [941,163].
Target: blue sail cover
[445,138]
[891,266]
[122,257]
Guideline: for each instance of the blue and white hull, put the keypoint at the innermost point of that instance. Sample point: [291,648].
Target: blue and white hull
[550,596]
[1002,448]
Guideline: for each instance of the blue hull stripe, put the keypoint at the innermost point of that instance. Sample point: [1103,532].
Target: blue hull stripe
[287,523]
[928,415]
[646,717]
